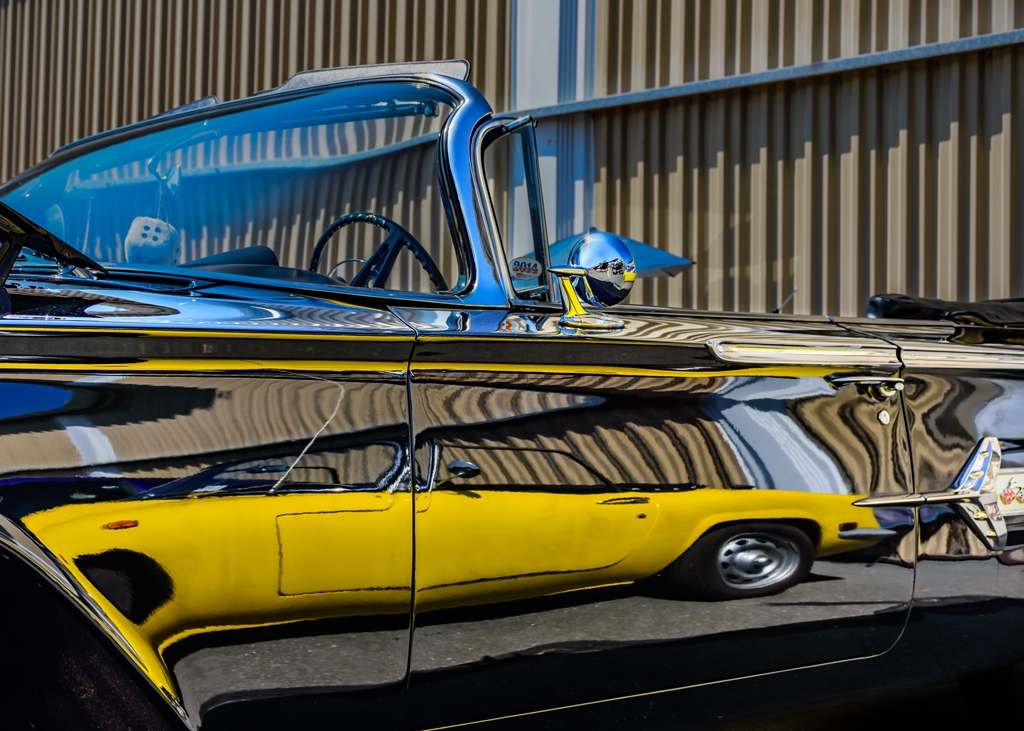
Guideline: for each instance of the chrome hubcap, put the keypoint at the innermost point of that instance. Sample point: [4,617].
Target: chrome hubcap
[757,560]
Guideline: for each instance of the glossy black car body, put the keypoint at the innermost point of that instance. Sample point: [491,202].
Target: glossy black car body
[241,494]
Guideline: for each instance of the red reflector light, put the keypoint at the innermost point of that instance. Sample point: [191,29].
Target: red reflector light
[121,524]
[847,526]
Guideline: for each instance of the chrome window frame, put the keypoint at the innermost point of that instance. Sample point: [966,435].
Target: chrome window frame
[498,255]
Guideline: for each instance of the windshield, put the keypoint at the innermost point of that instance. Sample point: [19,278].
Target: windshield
[267,181]
[337,470]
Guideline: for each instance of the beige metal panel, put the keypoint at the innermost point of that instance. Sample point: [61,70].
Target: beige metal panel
[71,68]
[904,178]
[644,44]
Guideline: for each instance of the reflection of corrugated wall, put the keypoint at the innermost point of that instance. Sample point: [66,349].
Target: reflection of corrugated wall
[898,176]
[690,443]
[164,424]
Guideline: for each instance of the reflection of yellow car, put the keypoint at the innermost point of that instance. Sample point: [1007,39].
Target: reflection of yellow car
[479,539]
[215,552]
[221,555]
[767,543]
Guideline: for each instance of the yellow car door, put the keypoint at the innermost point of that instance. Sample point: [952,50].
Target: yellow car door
[524,521]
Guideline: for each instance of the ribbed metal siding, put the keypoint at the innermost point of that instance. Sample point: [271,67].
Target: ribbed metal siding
[640,44]
[70,68]
[901,179]
[893,179]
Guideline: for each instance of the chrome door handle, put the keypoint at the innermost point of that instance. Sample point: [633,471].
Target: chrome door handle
[879,388]
[632,500]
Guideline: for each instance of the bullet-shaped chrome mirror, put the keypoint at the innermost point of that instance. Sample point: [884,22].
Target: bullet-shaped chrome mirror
[600,271]
[608,263]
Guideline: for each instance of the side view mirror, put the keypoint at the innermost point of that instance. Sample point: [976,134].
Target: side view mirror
[601,271]
[458,468]
[610,271]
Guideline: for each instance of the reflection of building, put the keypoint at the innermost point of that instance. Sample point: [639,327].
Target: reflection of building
[175,428]
[347,166]
[890,173]
[185,424]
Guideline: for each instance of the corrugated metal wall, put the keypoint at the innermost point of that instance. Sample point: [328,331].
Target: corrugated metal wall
[70,68]
[892,179]
[897,179]
[640,44]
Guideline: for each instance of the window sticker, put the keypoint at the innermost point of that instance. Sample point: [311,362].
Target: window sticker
[525,268]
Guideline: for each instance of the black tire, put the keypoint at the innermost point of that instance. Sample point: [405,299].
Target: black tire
[779,556]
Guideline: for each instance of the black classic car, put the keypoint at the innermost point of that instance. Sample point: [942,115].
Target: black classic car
[303,426]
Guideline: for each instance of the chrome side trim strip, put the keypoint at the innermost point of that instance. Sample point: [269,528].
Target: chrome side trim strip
[18,540]
[910,501]
[954,355]
[858,353]
[972,495]
[866,534]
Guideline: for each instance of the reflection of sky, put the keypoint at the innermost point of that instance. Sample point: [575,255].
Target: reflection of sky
[1000,414]
[280,311]
[773,451]
[22,399]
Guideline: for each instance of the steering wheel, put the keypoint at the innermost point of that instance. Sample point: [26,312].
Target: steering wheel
[378,267]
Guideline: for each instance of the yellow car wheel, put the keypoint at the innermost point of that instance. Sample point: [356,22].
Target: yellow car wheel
[743,560]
